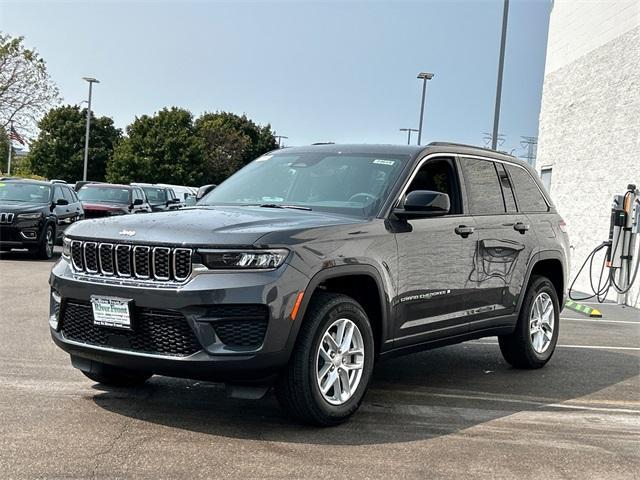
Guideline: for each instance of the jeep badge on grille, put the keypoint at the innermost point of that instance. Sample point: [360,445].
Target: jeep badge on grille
[128,233]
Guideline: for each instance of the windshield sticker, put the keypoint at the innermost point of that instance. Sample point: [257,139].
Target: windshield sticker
[263,158]
[383,162]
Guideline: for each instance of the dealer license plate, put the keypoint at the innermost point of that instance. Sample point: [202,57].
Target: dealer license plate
[111,312]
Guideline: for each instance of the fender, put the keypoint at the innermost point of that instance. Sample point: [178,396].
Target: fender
[334,272]
[537,257]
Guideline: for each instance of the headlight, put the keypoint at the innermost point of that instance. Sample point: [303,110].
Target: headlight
[29,216]
[243,259]
[66,248]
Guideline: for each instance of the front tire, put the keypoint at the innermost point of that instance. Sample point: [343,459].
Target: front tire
[330,368]
[44,250]
[534,340]
[111,376]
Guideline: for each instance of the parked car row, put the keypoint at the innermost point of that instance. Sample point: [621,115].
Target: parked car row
[34,214]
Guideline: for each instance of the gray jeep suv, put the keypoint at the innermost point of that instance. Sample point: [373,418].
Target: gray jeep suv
[311,263]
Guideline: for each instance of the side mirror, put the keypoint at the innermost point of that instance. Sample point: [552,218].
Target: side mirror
[424,203]
[61,201]
[137,202]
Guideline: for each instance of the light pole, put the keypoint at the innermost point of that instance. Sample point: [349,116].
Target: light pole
[503,41]
[424,76]
[408,130]
[86,136]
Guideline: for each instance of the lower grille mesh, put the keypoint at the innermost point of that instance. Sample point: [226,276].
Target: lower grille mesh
[240,325]
[161,332]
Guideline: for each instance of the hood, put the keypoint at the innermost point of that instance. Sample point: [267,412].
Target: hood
[204,226]
[8,206]
[103,206]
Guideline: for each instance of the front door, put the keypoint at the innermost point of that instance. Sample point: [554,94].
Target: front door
[435,260]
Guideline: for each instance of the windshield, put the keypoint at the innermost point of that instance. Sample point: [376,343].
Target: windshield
[352,184]
[155,194]
[25,192]
[104,194]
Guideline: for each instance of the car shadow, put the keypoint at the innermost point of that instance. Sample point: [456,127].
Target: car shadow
[416,397]
[27,255]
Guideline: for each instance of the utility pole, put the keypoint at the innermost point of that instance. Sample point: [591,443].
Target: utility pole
[10,148]
[503,41]
[530,144]
[409,130]
[86,136]
[424,76]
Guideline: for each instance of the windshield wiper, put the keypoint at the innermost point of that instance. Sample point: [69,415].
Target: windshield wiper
[277,205]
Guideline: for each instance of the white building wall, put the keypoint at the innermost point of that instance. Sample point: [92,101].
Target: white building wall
[590,116]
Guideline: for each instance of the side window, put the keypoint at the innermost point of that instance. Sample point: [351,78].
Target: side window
[439,175]
[57,193]
[507,190]
[67,195]
[483,187]
[545,176]
[527,192]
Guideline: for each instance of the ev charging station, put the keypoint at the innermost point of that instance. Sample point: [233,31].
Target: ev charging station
[619,269]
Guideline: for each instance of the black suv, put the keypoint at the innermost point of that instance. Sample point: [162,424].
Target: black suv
[35,214]
[309,264]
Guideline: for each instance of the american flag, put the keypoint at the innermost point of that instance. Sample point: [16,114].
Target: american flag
[14,135]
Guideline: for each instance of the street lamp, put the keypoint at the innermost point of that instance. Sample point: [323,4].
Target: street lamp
[409,130]
[424,76]
[86,136]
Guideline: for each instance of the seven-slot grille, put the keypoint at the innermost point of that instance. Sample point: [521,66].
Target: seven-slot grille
[131,261]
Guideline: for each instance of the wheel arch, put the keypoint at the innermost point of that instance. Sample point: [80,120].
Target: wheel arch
[551,264]
[363,283]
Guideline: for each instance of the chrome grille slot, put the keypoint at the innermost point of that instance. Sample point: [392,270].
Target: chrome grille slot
[136,262]
[105,256]
[161,263]
[181,263]
[6,218]
[91,257]
[123,260]
[141,266]
[77,258]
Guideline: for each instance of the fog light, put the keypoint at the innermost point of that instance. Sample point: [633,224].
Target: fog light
[30,235]
[54,309]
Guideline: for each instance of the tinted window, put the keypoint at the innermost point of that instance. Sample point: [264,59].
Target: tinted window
[483,187]
[507,191]
[108,194]
[438,175]
[57,193]
[527,192]
[67,195]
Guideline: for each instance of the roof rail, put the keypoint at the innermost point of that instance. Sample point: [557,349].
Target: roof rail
[324,143]
[453,144]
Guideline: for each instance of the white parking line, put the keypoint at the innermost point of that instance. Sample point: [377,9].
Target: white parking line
[595,347]
[599,321]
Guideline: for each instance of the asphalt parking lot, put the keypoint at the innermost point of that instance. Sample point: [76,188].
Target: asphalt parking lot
[457,412]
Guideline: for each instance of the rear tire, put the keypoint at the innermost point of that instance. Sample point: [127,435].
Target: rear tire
[115,376]
[534,340]
[341,368]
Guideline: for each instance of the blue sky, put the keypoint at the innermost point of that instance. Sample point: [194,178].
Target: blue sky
[316,71]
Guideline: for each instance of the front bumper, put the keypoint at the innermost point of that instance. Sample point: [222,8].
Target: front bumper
[216,361]
[21,234]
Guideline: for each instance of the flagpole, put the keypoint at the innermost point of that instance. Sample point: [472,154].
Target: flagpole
[10,148]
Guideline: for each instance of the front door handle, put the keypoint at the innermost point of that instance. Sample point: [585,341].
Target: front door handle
[521,227]
[464,231]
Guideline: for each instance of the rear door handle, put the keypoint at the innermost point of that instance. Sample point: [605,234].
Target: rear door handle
[464,231]
[521,227]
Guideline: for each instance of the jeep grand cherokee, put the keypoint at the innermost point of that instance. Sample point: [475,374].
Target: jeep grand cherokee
[309,264]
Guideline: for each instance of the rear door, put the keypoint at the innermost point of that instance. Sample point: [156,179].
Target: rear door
[434,261]
[504,241]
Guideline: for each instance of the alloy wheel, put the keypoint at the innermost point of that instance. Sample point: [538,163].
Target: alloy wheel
[541,322]
[339,361]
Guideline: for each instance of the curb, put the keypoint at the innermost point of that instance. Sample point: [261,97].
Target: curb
[583,309]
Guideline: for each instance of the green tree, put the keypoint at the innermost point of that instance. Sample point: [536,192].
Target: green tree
[58,152]
[159,149]
[26,90]
[229,142]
